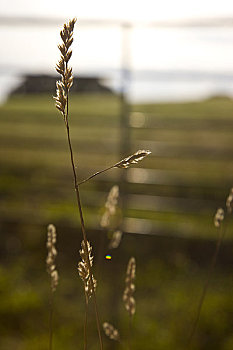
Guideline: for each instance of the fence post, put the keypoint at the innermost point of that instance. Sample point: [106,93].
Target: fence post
[125,144]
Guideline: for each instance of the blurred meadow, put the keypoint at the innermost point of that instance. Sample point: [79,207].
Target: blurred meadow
[147,76]
[167,203]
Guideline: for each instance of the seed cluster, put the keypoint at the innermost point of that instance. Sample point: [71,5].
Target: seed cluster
[111,331]
[115,240]
[110,206]
[219,217]
[133,159]
[229,201]
[64,85]
[128,298]
[52,253]
[84,270]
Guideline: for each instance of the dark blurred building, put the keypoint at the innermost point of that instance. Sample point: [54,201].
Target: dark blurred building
[36,84]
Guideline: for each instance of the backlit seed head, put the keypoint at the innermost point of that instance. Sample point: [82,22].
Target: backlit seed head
[111,331]
[110,206]
[84,270]
[64,85]
[128,299]
[52,253]
[229,201]
[219,217]
[133,159]
[116,239]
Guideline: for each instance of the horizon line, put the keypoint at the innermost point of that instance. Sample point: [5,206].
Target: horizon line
[224,21]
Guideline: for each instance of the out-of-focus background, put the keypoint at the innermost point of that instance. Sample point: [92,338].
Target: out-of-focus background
[148,75]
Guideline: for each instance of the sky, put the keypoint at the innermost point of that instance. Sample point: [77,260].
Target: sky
[98,49]
[145,10]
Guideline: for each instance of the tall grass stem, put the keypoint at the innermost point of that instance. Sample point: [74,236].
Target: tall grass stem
[222,233]
[85,323]
[51,320]
[95,174]
[76,187]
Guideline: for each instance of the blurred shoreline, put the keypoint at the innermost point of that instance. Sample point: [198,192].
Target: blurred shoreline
[149,63]
[149,86]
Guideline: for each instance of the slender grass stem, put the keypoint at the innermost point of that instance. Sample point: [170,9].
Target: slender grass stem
[95,174]
[124,163]
[130,332]
[51,320]
[85,323]
[207,282]
[76,187]
[62,104]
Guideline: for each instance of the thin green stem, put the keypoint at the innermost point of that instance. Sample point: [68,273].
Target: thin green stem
[85,322]
[130,332]
[76,187]
[95,174]
[51,320]
[206,285]
[65,73]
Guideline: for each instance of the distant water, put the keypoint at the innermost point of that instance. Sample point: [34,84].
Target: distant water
[161,90]
[149,86]
[158,64]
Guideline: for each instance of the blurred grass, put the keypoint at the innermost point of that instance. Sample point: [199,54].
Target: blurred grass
[170,276]
[173,196]
[189,171]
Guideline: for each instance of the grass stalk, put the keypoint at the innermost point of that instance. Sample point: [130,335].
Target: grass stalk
[130,333]
[95,174]
[51,320]
[54,277]
[122,164]
[222,233]
[85,323]
[62,104]
[76,187]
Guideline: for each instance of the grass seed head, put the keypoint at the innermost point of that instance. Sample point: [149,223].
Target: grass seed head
[111,331]
[60,97]
[219,217]
[84,270]
[64,85]
[52,253]
[110,206]
[115,240]
[133,159]
[129,301]
[229,201]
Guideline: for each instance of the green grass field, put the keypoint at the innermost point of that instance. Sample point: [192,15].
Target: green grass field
[169,204]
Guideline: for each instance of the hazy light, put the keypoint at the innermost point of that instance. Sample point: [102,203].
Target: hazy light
[137,175]
[123,9]
[133,225]
[137,120]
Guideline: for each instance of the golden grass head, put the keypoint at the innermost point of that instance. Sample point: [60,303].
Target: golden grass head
[67,39]
[84,271]
[219,217]
[229,201]
[110,206]
[133,159]
[60,97]
[115,240]
[129,301]
[111,331]
[64,85]
[52,253]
